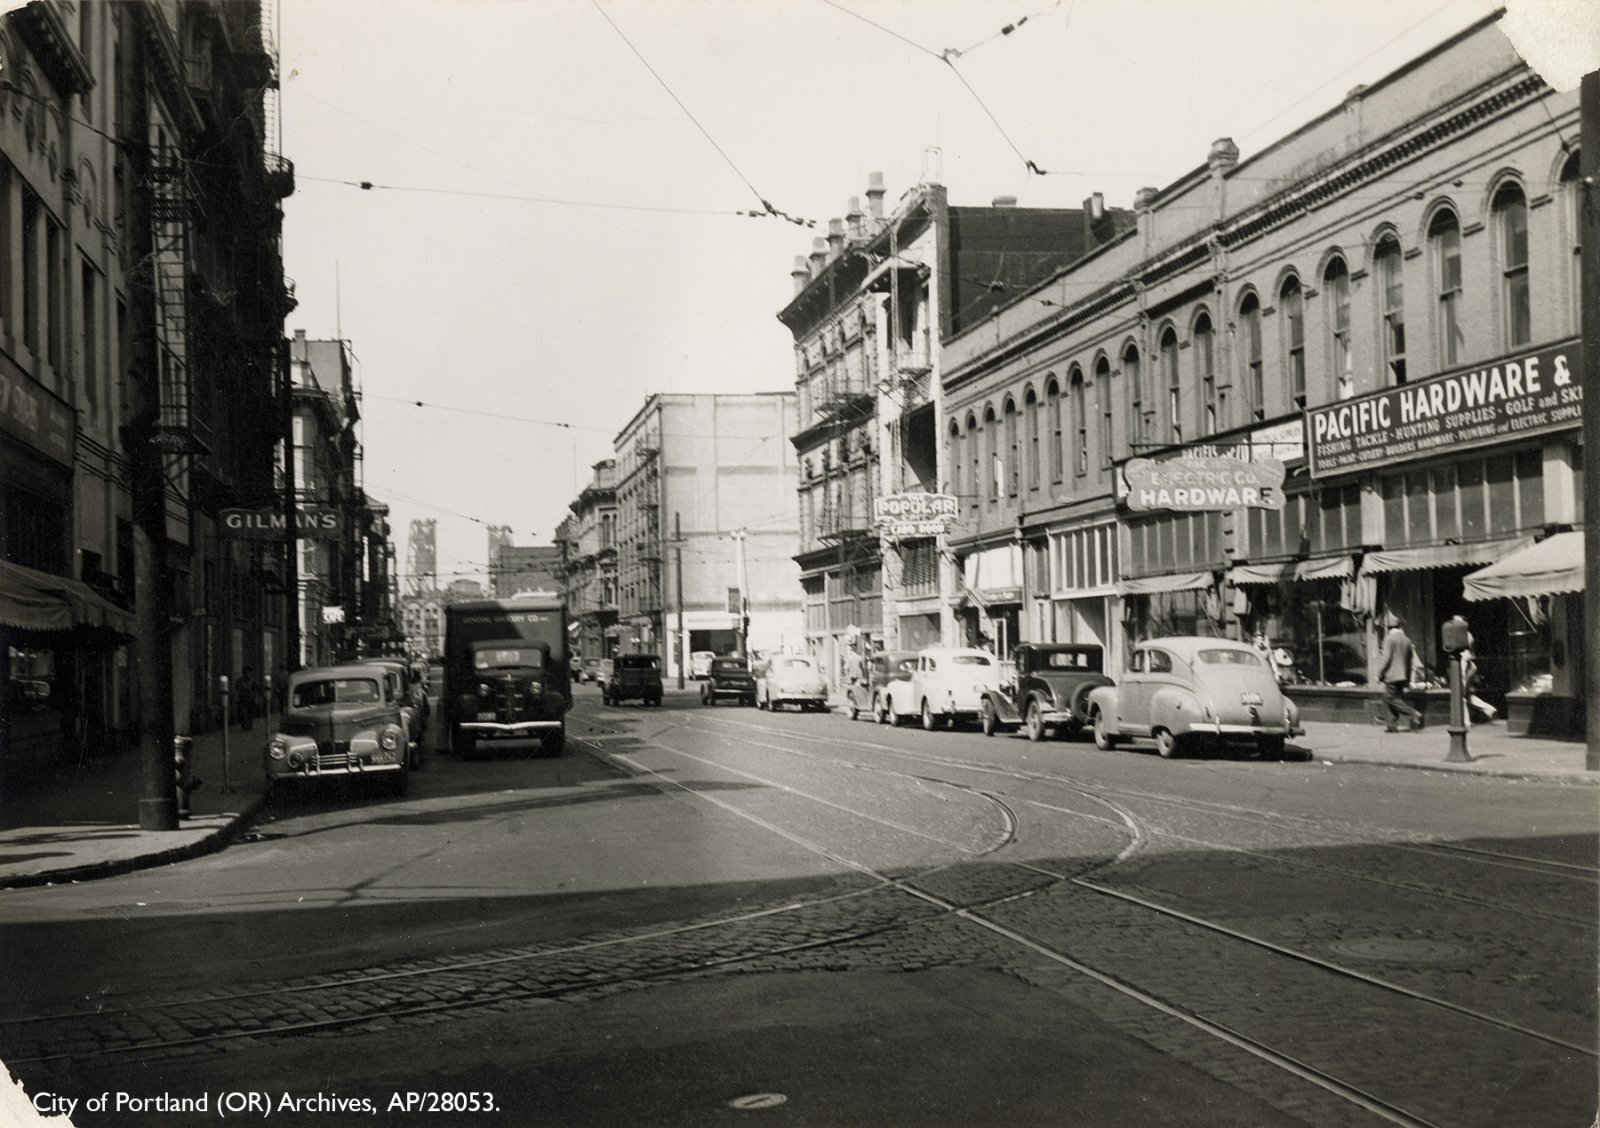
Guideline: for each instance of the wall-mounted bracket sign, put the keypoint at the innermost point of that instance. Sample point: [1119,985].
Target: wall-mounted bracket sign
[315,522]
[914,514]
[1198,485]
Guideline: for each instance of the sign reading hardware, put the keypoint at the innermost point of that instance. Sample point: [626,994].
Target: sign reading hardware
[1522,395]
[311,521]
[1198,485]
[914,514]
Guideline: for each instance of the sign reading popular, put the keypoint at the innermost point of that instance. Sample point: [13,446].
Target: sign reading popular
[1523,395]
[914,514]
[1198,485]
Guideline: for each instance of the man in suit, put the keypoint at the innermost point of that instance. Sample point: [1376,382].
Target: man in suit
[1395,662]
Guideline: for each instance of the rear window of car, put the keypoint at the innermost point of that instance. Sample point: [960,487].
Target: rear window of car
[729,666]
[970,660]
[1067,660]
[637,662]
[796,663]
[336,691]
[1220,657]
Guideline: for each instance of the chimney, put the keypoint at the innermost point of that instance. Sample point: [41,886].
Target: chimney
[819,255]
[1003,202]
[1098,225]
[835,237]
[1222,159]
[1144,202]
[875,195]
[854,219]
[801,273]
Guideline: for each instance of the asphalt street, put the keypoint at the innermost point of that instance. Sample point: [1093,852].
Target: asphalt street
[704,915]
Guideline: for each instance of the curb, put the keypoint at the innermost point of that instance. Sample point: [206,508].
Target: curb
[210,844]
[1569,779]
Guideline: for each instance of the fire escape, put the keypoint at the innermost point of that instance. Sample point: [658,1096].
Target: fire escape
[647,491]
[845,405]
[172,201]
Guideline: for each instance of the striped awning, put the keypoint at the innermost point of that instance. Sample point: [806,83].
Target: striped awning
[1293,571]
[1442,555]
[1553,566]
[38,601]
[1156,585]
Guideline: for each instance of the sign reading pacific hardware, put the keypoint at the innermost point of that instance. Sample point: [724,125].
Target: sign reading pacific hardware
[914,514]
[314,522]
[1523,395]
[1201,484]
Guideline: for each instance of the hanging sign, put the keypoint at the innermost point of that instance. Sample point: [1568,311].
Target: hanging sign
[1199,485]
[914,514]
[315,522]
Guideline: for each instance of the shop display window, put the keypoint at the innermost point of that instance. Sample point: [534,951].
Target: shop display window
[1314,639]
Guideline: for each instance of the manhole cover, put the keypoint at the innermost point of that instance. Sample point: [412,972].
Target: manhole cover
[758,1100]
[1394,949]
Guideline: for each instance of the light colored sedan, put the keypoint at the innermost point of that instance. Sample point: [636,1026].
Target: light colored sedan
[792,679]
[947,685]
[1180,690]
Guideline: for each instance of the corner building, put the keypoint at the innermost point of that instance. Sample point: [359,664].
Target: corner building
[1386,301]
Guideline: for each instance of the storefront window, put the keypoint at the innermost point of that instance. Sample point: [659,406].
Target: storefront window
[1317,641]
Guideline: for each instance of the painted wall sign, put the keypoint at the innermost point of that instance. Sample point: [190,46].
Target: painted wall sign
[914,514]
[37,416]
[1197,485]
[1526,394]
[311,521]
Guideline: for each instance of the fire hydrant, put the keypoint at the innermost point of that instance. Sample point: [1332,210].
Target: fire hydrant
[183,779]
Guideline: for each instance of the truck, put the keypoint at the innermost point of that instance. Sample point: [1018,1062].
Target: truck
[507,672]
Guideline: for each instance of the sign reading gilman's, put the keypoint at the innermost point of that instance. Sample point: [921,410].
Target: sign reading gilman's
[1526,394]
[311,521]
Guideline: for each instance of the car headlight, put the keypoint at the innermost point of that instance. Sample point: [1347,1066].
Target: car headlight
[483,689]
[277,749]
[389,739]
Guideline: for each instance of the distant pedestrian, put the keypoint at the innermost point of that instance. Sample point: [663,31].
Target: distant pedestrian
[1397,661]
[1477,708]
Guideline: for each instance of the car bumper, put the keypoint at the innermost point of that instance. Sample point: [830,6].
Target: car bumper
[1214,728]
[279,770]
[513,728]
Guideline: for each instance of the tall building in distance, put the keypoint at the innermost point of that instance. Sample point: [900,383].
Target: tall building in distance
[519,568]
[499,537]
[422,569]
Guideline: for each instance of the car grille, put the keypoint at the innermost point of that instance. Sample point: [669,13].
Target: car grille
[334,756]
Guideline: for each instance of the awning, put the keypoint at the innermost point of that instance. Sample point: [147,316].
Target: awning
[1442,555]
[1270,574]
[1552,566]
[31,600]
[1153,585]
[1325,568]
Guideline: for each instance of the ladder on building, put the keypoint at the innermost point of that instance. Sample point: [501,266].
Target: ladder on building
[172,201]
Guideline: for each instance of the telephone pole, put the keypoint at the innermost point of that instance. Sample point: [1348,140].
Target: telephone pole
[677,567]
[1589,313]
[744,593]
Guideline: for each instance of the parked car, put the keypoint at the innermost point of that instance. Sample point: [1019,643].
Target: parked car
[881,668]
[633,677]
[339,722]
[791,679]
[947,685]
[413,705]
[700,663]
[1180,690]
[728,677]
[1046,689]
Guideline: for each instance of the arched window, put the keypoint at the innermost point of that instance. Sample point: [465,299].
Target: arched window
[1444,238]
[1572,218]
[1108,406]
[1292,304]
[1138,401]
[954,457]
[1392,295]
[1080,425]
[1169,372]
[1511,222]
[1250,375]
[1205,364]
[974,462]
[1053,394]
[991,431]
[1031,405]
[1336,291]
[1012,475]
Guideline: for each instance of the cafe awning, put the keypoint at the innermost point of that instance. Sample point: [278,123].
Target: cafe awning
[1442,556]
[31,600]
[1156,585]
[1552,566]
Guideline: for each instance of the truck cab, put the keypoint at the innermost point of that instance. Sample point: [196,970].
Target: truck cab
[506,673]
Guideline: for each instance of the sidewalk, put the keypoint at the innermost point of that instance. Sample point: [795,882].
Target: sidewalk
[81,825]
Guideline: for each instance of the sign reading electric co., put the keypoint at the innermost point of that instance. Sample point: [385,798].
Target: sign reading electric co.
[315,522]
[1523,395]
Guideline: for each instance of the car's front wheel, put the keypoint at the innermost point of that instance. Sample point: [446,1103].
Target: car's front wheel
[880,711]
[989,720]
[930,719]
[1035,721]
[1103,739]
[1166,743]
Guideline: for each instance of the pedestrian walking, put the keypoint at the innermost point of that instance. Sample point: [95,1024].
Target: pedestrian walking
[1397,661]
[1478,710]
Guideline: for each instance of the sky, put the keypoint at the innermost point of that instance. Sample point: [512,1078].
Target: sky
[552,233]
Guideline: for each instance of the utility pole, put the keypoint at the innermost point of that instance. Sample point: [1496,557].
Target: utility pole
[744,593]
[677,567]
[1589,313]
[291,548]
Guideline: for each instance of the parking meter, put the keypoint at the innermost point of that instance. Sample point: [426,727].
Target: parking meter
[1453,635]
[1453,639]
